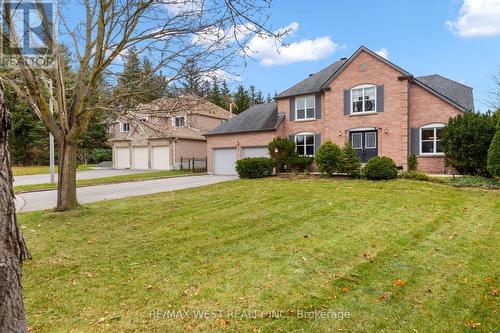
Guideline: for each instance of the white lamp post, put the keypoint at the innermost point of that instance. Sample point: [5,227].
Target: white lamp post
[51,138]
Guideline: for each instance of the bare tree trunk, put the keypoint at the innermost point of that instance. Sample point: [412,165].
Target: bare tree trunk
[66,187]
[13,250]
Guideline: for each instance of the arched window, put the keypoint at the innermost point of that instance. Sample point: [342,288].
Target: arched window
[364,98]
[305,144]
[430,139]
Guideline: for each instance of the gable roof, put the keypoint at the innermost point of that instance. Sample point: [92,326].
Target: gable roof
[451,91]
[458,93]
[314,82]
[260,117]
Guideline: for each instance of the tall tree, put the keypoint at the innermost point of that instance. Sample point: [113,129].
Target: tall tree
[241,99]
[13,250]
[226,95]
[174,31]
[216,95]
[255,95]
[191,79]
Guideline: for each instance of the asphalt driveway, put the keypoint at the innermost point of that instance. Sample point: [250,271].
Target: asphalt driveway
[87,174]
[47,199]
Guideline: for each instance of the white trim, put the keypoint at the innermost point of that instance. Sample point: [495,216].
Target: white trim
[363,129]
[432,126]
[363,86]
[306,145]
[305,109]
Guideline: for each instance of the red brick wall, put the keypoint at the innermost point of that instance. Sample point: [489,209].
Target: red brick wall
[394,118]
[426,108]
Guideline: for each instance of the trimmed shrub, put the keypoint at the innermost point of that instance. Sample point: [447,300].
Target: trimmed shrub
[493,161]
[328,158]
[101,155]
[298,163]
[380,168]
[281,150]
[466,140]
[350,163]
[415,175]
[255,167]
[412,163]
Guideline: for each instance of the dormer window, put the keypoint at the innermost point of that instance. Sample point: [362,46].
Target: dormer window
[363,99]
[305,108]
[179,121]
[125,127]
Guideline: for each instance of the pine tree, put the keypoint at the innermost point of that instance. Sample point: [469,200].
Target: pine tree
[216,95]
[241,99]
[226,95]
[192,80]
[350,163]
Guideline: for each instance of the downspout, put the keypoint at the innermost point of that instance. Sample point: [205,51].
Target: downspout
[173,153]
[409,79]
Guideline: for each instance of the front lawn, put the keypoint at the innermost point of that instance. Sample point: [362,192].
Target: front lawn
[134,177]
[397,256]
[43,169]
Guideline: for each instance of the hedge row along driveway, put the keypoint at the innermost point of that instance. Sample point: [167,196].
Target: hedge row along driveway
[397,255]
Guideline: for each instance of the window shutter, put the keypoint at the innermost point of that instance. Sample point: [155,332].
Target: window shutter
[317,104]
[292,109]
[415,141]
[347,102]
[317,142]
[291,137]
[380,98]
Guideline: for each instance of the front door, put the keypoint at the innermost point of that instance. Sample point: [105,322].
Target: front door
[365,144]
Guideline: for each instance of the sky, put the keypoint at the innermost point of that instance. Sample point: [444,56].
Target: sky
[458,39]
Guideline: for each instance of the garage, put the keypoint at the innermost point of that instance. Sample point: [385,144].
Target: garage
[160,158]
[140,158]
[224,161]
[255,152]
[122,158]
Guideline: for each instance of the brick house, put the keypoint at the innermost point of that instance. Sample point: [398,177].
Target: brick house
[157,134]
[365,99]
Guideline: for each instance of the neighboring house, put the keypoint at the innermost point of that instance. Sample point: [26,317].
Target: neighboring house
[381,108]
[157,134]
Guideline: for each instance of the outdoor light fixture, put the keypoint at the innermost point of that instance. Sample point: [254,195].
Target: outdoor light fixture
[386,130]
[276,150]
[340,133]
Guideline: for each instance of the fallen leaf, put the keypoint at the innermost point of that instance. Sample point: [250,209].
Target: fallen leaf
[399,282]
[345,290]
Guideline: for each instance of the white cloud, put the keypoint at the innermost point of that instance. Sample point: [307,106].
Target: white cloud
[477,18]
[271,52]
[183,7]
[220,75]
[383,53]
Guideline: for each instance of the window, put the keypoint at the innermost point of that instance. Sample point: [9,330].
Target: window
[125,127]
[180,121]
[430,139]
[356,140]
[305,108]
[304,143]
[363,99]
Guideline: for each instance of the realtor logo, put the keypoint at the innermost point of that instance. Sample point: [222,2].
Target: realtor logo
[27,33]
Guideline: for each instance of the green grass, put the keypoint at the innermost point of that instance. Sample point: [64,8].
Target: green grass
[106,180]
[270,244]
[42,169]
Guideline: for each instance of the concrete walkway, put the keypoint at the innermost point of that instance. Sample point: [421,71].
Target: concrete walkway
[47,199]
[87,174]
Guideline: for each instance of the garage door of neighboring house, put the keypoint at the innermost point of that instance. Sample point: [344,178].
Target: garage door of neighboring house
[224,161]
[140,158]
[122,158]
[160,158]
[254,152]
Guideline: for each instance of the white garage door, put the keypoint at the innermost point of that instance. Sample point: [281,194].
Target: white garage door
[140,158]
[122,158]
[224,161]
[160,158]
[255,152]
